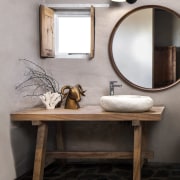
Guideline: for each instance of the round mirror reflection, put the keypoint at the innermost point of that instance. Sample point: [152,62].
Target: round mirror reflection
[144,48]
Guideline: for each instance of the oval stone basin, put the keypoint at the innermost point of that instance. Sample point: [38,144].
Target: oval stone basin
[126,103]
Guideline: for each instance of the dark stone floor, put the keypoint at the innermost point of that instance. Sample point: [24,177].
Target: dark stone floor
[107,171]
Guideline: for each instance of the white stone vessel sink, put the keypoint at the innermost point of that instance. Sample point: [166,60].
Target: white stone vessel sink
[126,103]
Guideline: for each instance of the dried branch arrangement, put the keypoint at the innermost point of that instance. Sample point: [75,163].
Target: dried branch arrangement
[38,80]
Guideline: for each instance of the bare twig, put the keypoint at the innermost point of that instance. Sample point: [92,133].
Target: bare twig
[33,64]
[37,78]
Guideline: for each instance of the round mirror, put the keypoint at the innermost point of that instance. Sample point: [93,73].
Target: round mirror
[144,48]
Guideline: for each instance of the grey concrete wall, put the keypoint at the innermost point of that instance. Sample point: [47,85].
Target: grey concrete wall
[20,39]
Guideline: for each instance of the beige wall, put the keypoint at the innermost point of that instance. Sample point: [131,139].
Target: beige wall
[20,39]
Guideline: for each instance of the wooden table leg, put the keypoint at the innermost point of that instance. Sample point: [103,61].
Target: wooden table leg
[40,152]
[60,141]
[137,153]
[59,137]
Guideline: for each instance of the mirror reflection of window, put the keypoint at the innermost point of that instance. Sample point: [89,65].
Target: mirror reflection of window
[133,44]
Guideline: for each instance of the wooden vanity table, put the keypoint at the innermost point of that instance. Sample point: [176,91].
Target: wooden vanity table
[41,117]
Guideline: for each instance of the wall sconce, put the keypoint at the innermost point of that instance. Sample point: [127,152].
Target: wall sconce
[118,1]
[128,1]
[131,1]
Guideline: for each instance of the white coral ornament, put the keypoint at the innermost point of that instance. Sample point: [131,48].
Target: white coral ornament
[50,100]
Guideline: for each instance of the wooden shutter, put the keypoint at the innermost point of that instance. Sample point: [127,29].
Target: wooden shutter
[46,32]
[164,66]
[92,32]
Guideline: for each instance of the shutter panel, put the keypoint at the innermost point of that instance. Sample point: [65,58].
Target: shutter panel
[164,66]
[92,32]
[46,32]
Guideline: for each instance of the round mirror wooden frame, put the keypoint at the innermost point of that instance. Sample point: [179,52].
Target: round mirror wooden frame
[111,56]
